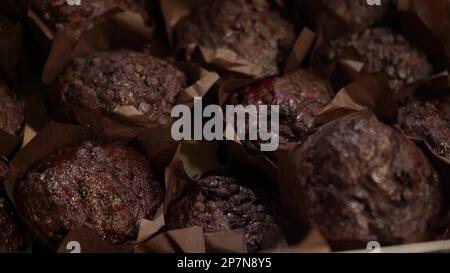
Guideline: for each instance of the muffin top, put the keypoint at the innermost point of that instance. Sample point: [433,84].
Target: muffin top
[300,96]
[359,12]
[11,238]
[58,15]
[365,181]
[11,111]
[107,80]
[247,27]
[383,50]
[429,119]
[105,187]
[219,203]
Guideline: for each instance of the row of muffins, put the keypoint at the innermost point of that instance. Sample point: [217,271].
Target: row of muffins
[105,80]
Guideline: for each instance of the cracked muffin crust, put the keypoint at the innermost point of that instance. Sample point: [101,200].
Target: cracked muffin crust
[58,15]
[247,27]
[11,111]
[300,96]
[106,188]
[219,203]
[365,181]
[428,119]
[110,79]
[383,50]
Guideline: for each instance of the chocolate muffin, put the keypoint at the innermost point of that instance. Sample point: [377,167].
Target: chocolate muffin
[107,188]
[11,111]
[247,27]
[10,234]
[359,12]
[300,95]
[428,118]
[107,80]
[58,15]
[219,203]
[383,50]
[365,181]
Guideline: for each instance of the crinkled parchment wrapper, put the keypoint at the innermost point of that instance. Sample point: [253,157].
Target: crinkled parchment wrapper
[124,30]
[370,92]
[56,135]
[349,65]
[225,59]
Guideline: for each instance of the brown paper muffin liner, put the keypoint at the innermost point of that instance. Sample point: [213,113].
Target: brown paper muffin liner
[226,61]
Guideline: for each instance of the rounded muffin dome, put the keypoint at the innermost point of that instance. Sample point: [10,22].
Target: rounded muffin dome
[104,187]
[107,80]
[365,181]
